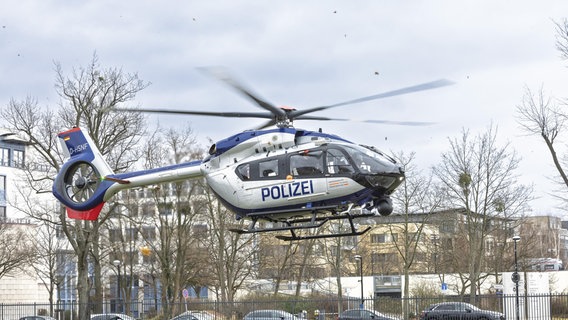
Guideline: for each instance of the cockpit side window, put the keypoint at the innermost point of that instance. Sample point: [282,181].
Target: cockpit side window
[337,162]
[268,169]
[306,164]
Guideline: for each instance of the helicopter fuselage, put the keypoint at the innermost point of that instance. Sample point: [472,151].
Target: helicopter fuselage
[290,170]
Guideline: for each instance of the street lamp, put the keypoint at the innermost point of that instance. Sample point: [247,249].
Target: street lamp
[116,263]
[358,257]
[516,277]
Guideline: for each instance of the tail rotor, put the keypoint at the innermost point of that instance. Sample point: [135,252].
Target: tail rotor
[80,182]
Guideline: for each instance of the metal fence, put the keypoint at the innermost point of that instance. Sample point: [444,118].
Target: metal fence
[549,306]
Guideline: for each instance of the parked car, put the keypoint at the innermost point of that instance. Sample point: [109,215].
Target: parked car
[363,314]
[458,310]
[111,316]
[270,315]
[37,318]
[194,315]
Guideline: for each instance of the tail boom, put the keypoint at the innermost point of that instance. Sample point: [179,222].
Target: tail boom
[85,181]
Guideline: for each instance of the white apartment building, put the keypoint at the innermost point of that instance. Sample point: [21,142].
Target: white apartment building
[16,287]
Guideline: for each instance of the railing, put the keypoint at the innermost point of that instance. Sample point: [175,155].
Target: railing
[549,306]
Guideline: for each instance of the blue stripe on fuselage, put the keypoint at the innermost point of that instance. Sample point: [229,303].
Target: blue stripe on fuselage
[229,143]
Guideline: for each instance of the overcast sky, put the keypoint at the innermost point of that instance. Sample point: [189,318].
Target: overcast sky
[306,54]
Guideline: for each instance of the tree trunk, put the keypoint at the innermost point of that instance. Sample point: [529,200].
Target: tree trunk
[83,281]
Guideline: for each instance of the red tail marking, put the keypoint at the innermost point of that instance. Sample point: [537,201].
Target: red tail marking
[92,214]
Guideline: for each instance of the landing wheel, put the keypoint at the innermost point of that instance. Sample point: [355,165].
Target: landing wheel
[80,182]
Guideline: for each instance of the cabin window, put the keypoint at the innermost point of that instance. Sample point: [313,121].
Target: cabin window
[307,163]
[243,171]
[337,162]
[267,169]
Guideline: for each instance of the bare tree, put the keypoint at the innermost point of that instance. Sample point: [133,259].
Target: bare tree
[275,259]
[544,116]
[307,266]
[16,250]
[417,196]
[48,244]
[233,256]
[479,176]
[336,252]
[176,248]
[87,98]
[562,38]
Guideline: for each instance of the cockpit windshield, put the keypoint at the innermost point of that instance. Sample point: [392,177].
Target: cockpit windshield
[367,159]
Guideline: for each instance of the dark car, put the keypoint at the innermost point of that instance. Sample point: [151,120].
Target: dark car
[362,314]
[458,310]
[270,315]
[111,316]
[194,315]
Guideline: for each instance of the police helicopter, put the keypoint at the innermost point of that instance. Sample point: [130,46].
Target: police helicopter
[293,178]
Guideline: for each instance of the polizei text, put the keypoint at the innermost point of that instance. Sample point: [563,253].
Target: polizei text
[287,190]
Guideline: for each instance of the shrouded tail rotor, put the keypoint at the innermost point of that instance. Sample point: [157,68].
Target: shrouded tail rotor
[81,180]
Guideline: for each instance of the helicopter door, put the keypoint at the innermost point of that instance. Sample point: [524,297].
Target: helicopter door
[307,164]
[339,173]
[307,170]
[337,163]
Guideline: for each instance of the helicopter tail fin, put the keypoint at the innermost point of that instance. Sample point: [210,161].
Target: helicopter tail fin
[80,185]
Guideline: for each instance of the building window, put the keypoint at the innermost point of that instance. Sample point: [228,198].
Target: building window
[2,190]
[385,258]
[18,158]
[166,208]
[4,157]
[447,227]
[10,157]
[2,197]
[59,234]
[133,210]
[115,235]
[131,234]
[149,233]
[148,209]
[384,238]
[132,258]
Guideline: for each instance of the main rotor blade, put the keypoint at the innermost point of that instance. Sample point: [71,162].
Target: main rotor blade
[398,123]
[262,115]
[224,76]
[420,87]
[267,124]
